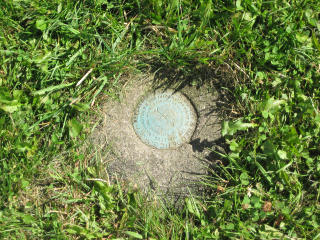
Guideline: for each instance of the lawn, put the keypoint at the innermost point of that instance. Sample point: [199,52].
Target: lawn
[60,60]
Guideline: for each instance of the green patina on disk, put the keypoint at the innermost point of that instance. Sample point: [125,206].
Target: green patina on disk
[165,119]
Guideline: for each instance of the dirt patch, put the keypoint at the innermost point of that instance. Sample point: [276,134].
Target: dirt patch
[173,172]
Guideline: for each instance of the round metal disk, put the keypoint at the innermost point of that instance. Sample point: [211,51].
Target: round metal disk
[165,119]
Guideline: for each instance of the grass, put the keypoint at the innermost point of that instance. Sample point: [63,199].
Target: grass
[267,185]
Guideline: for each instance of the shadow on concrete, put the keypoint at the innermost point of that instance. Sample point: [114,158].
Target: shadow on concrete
[219,76]
[217,149]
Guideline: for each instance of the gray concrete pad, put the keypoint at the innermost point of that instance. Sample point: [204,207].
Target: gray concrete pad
[171,172]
